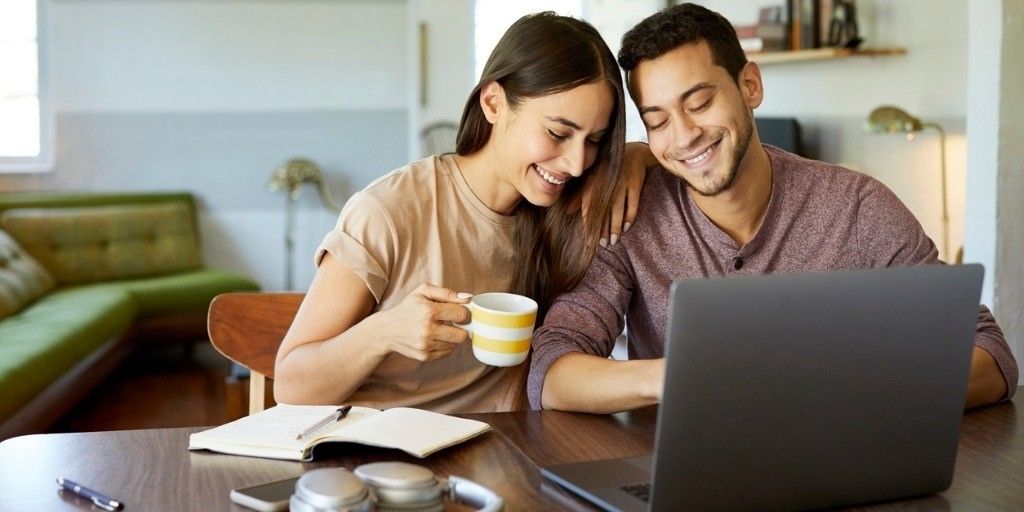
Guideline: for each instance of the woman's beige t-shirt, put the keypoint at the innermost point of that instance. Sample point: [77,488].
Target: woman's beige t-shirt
[423,224]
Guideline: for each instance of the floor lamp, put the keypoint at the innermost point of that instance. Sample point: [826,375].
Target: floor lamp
[289,178]
[889,119]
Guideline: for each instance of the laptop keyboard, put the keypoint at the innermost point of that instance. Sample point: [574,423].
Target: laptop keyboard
[641,491]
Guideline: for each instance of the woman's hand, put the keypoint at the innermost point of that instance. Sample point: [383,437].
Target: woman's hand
[418,327]
[626,200]
[334,328]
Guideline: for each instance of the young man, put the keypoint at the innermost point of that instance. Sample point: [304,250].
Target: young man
[721,203]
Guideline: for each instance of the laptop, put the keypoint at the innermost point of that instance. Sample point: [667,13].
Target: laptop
[802,391]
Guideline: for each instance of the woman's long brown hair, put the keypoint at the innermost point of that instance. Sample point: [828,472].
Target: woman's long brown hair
[544,54]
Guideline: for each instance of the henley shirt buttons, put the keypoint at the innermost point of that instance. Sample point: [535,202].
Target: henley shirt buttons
[737,263]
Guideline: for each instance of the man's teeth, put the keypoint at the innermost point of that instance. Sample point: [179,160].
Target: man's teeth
[548,177]
[699,159]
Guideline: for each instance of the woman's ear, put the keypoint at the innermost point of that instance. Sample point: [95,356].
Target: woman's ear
[492,101]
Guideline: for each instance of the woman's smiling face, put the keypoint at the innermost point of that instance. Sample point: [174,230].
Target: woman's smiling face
[545,141]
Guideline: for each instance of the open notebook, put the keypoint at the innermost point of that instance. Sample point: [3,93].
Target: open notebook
[271,433]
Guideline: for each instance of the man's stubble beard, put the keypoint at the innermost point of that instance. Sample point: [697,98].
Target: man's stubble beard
[737,157]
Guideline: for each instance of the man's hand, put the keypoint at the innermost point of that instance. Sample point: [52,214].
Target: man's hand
[986,384]
[626,201]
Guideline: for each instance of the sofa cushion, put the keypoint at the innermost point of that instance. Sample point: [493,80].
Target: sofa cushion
[43,341]
[22,279]
[100,243]
[183,292]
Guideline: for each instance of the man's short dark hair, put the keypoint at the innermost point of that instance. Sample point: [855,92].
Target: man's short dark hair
[682,24]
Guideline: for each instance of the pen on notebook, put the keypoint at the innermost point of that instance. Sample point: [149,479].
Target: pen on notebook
[335,416]
[97,498]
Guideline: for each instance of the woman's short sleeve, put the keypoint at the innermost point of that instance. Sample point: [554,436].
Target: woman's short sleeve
[364,241]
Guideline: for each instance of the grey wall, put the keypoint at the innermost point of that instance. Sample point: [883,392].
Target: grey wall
[210,96]
[224,158]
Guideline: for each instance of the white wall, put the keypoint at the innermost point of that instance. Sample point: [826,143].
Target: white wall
[251,55]
[983,85]
[613,19]
[449,64]
[930,80]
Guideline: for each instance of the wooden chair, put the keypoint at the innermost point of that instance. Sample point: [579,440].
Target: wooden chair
[248,328]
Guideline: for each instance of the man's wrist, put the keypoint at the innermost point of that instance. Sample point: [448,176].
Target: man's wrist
[654,379]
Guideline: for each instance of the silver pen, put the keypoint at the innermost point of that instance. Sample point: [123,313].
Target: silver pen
[335,416]
[99,499]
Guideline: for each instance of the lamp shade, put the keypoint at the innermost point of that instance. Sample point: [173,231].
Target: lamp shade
[890,119]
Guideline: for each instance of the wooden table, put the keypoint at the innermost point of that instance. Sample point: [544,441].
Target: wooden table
[152,470]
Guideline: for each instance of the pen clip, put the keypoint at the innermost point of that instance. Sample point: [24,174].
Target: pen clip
[105,506]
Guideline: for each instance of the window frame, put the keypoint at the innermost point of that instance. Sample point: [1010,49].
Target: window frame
[44,161]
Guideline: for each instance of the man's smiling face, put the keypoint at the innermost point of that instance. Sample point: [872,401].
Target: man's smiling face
[699,120]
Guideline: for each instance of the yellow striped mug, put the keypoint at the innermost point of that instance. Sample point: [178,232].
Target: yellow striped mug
[501,327]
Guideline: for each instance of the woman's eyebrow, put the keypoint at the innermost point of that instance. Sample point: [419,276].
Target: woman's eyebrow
[565,121]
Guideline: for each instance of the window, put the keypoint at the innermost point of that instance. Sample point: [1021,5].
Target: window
[493,17]
[26,125]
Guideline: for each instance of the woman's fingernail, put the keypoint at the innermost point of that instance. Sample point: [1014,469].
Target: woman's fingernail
[615,238]
[464,295]
[603,242]
[625,227]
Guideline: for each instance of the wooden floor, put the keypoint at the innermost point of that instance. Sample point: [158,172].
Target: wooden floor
[167,386]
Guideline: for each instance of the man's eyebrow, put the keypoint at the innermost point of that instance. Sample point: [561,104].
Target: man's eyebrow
[682,97]
[565,121]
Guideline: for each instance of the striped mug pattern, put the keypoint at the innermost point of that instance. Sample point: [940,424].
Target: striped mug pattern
[502,327]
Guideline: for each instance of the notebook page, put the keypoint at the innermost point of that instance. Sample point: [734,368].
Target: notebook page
[278,425]
[414,431]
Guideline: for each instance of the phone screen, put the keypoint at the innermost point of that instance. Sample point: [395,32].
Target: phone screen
[266,497]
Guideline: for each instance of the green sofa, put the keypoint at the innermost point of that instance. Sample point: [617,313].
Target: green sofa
[83,279]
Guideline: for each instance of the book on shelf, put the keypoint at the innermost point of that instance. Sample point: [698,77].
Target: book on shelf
[272,433]
[760,44]
[810,21]
[825,22]
[763,37]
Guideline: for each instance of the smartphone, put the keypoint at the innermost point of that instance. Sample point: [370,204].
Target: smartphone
[270,497]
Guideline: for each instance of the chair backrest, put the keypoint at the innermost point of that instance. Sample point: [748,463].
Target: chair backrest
[439,137]
[248,328]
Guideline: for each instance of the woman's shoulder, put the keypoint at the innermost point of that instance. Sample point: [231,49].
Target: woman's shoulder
[401,196]
[407,183]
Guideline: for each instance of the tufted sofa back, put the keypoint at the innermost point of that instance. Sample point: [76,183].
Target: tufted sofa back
[84,242]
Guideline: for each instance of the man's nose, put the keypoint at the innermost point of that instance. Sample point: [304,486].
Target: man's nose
[685,132]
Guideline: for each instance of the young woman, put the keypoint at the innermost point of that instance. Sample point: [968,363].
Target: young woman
[521,206]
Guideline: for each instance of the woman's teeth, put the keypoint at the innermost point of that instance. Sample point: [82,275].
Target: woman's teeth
[548,177]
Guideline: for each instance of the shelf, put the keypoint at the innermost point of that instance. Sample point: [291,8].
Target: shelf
[764,58]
